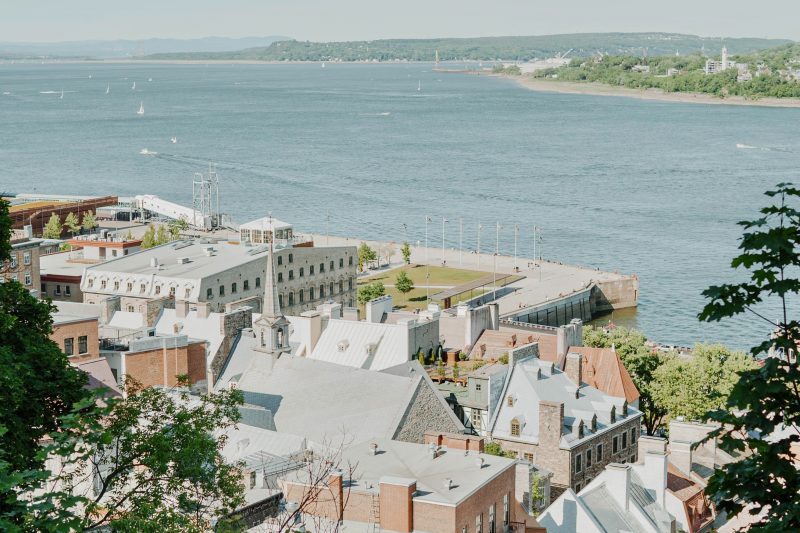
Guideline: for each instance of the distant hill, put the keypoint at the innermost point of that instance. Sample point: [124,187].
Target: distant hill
[120,49]
[487,48]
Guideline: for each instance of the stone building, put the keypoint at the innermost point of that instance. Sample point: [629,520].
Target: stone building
[23,266]
[225,275]
[61,277]
[553,419]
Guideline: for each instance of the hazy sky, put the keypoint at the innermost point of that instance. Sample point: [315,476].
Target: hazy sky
[50,20]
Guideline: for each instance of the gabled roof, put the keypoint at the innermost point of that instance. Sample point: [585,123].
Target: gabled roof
[100,376]
[533,380]
[603,370]
[365,345]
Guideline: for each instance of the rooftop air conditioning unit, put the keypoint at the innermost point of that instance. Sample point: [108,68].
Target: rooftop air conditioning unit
[153,262]
[183,260]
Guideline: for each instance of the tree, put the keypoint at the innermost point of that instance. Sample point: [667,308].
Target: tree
[406,251]
[149,237]
[89,221]
[5,231]
[536,493]
[365,255]
[72,223]
[52,230]
[403,283]
[177,226]
[493,448]
[421,357]
[761,418]
[456,371]
[162,236]
[440,369]
[371,291]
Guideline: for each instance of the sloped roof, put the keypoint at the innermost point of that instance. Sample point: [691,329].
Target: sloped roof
[319,400]
[603,370]
[502,341]
[100,376]
[681,485]
[193,326]
[364,345]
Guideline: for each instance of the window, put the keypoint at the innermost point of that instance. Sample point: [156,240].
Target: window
[142,287]
[222,290]
[58,290]
[280,260]
[311,270]
[131,309]
[291,259]
[331,266]
[291,274]
[350,284]
[83,344]
[477,386]
[475,418]
[280,300]
[280,277]
[341,287]
[633,437]
[578,487]
[321,268]
[510,401]
[26,258]
[300,294]
[116,285]
[44,288]
[69,345]
[302,271]
[130,287]
[491,518]
[291,298]
[233,288]
[91,282]
[28,280]
[330,289]
[625,441]
[588,458]
[246,285]
[599,452]
[341,262]
[615,444]
[311,293]
[515,428]
[506,517]
[187,292]
[172,292]
[158,289]
[578,463]
[350,260]
[67,290]
[14,260]
[258,282]
[322,291]
[479,523]
[209,293]
[528,456]
[102,284]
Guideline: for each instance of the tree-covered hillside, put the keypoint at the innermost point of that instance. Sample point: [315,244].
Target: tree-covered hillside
[487,48]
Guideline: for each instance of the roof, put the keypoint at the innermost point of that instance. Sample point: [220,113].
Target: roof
[486,371]
[100,376]
[681,485]
[68,312]
[321,400]
[367,345]
[502,341]
[603,370]
[266,223]
[402,462]
[60,264]
[207,328]
[533,380]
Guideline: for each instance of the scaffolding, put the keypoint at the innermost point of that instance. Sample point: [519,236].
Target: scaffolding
[205,196]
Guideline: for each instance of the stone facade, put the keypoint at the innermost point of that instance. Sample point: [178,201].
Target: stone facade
[230,326]
[61,288]
[23,265]
[426,412]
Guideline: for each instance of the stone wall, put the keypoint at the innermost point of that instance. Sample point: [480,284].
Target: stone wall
[230,325]
[426,412]
[610,295]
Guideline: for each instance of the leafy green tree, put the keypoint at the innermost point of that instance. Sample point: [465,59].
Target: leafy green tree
[421,357]
[406,251]
[640,360]
[72,223]
[365,255]
[494,448]
[371,291]
[761,419]
[162,236]
[149,237]
[536,493]
[53,228]
[5,231]
[456,371]
[177,226]
[403,282]
[440,369]
[89,221]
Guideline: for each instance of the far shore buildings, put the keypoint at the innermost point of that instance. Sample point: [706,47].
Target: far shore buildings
[225,275]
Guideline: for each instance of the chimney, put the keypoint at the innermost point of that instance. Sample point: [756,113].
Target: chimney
[396,507]
[618,483]
[494,314]
[562,345]
[551,422]
[203,309]
[655,473]
[680,452]
[648,444]
[337,491]
[573,368]
[181,308]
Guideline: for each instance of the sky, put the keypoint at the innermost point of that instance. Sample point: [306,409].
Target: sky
[336,20]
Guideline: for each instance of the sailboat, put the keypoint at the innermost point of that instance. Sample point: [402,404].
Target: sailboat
[133,87]
[419,85]
[323,64]
[174,140]
[141,109]
[62,94]
[108,89]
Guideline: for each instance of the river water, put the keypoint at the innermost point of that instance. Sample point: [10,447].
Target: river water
[620,184]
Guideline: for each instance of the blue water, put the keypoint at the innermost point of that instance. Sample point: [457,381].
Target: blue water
[646,187]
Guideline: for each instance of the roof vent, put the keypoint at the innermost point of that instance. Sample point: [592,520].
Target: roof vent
[373,448]
[154,262]
[183,260]
[479,462]
[448,484]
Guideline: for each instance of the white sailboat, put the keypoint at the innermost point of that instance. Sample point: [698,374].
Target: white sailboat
[141,109]
[419,85]
[133,87]
[62,94]
[323,64]
[108,89]
[173,140]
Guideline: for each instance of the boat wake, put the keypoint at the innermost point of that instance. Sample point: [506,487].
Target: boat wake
[384,114]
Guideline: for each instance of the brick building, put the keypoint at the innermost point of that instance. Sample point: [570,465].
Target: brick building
[157,360]
[76,331]
[553,419]
[23,265]
[61,277]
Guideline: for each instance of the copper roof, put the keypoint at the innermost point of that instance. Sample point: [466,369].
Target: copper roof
[604,370]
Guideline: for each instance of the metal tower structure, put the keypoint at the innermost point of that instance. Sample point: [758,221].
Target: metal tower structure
[205,196]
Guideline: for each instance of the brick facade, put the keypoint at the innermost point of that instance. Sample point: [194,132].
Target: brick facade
[77,333]
[161,366]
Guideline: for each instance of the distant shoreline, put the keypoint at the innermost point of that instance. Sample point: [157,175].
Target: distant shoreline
[599,89]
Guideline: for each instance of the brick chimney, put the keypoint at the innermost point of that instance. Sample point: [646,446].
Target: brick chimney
[396,505]
[337,493]
[573,368]
[203,309]
[551,422]
[181,308]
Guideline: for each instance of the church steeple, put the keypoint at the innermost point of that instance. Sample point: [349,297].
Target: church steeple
[272,328]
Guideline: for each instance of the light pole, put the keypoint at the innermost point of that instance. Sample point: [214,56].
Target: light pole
[516,232]
[460,239]
[494,268]
[534,244]
[480,228]
[427,262]
[444,220]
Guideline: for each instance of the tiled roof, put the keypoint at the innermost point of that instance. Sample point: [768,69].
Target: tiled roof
[604,370]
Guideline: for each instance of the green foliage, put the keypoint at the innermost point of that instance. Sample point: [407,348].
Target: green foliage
[456,371]
[89,221]
[52,230]
[365,255]
[371,291]
[762,414]
[462,356]
[72,223]
[403,283]
[440,369]
[162,236]
[5,231]
[421,357]
[536,492]
[149,237]
[177,226]
[503,359]
[406,251]
[493,448]
[509,70]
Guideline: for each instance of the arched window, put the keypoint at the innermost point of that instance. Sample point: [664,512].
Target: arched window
[291,298]
[280,300]
[311,293]
[515,428]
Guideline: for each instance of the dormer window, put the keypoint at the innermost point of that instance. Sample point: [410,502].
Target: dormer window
[510,401]
[613,415]
[580,429]
[342,346]
[594,423]
[515,428]
[625,408]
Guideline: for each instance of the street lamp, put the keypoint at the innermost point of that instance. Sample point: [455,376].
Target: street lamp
[460,239]
[480,228]
[496,253]
[427,262]
[444,220]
